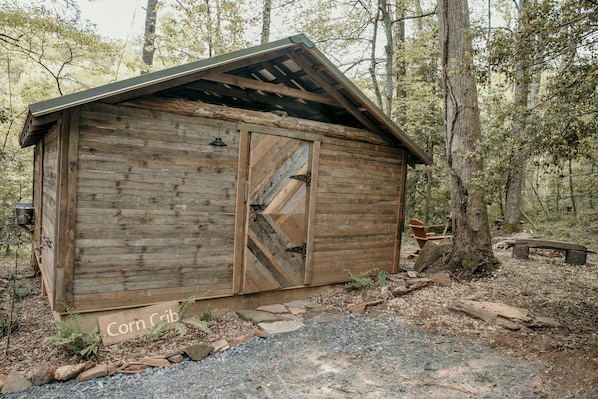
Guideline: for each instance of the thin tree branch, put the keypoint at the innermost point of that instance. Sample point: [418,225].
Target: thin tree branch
[427,14]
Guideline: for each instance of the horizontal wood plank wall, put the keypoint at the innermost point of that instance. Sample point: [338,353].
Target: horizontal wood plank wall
[47,244]
[358,194]
[155,208]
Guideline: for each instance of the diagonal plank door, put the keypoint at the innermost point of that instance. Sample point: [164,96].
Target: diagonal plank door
[276,215]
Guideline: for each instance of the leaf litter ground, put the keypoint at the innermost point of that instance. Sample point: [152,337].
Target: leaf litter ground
[566,356]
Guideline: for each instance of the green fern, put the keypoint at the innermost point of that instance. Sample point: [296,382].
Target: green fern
[180,327]
[71,336]
[382,277]
[197,323]
[361,281]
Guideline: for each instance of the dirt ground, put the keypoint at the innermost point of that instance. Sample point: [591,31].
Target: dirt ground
[566,355]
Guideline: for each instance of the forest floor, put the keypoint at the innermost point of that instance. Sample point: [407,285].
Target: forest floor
[566,356]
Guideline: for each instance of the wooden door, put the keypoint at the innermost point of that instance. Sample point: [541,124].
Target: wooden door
[276,226]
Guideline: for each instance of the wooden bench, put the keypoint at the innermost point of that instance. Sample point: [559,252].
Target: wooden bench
[575,254]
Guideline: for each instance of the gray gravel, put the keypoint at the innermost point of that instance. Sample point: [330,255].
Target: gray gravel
[358,357]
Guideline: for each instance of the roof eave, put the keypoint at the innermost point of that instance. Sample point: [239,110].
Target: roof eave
[419,155]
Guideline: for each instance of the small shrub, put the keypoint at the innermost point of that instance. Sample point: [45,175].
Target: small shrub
[6,324]
[209,316]
[70,335]
[361,281]
[12,312]
[382,276]
[180,327]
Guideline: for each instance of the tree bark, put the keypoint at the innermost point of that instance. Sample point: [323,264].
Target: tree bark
[516,176]
[266,21]
[472,250]
[389,53]
[149,35]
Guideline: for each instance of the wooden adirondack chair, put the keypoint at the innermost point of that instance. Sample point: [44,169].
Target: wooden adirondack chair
[421,236]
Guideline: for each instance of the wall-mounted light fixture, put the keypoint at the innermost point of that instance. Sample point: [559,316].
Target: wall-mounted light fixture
[218,143]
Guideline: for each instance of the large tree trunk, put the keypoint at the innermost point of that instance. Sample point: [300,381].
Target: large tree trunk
[515,179]
[472,250]
[149,35]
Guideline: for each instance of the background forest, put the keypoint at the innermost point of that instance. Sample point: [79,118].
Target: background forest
[536,63]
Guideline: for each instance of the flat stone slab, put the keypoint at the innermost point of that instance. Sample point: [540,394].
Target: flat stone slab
[258,316]
[281,327]
[328,317]
[301,304]
[277,308]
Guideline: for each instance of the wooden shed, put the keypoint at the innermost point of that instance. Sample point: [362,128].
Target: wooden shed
[262,169]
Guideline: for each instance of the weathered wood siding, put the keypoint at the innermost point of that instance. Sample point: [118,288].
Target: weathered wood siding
[358,209]
[47,229]
[155,207]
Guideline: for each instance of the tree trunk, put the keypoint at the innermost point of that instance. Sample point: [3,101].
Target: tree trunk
[149,35]
[472,250]
[374,63]
[266,21]
[401,69]
[516,176]
[571,191]
[389,53]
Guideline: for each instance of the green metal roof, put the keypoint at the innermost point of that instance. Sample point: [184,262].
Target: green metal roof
[289,75]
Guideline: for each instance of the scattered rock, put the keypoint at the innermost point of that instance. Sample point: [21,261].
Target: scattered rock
[101,370]
[220,345]
[296,311]
[43,374]
[173,354]
[198,351]
[412,274]
[134,368]
[15,382]
[70,371]
[301,304]
[277,308]
[360,307]
[152,362]
[260,333]
[280,327]
[256,316]
[240,340]
[176,359]
[357,308]
[414,281]
[441,279]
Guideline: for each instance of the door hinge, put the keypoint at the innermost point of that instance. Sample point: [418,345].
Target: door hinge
[302,249]
[306,178]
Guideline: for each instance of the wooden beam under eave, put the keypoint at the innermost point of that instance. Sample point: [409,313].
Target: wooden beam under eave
[271,88]
[329,87]
[274,101]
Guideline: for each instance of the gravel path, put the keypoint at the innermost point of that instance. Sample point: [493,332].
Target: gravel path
[358,357]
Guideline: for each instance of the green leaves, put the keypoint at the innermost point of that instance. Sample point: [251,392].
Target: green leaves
[71,336]
[180,327]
